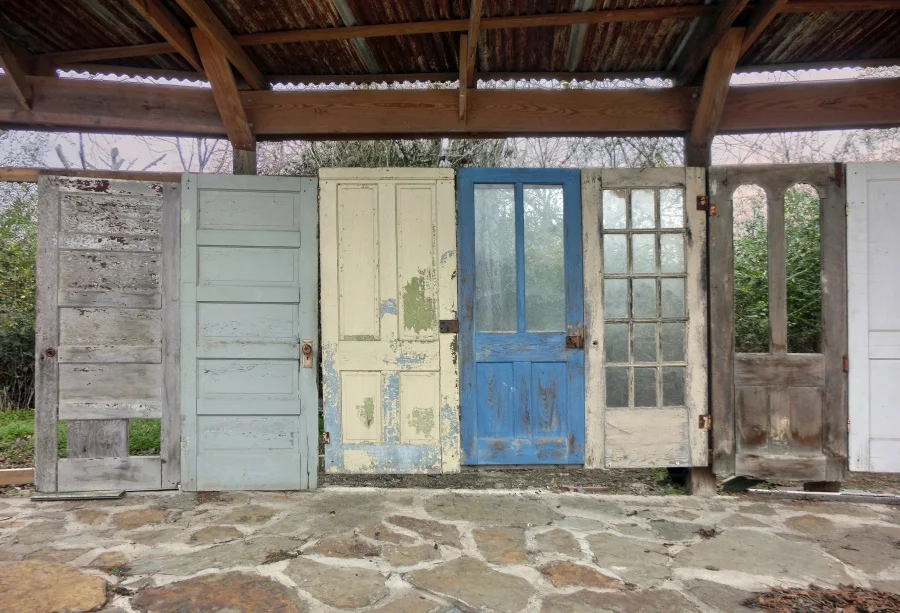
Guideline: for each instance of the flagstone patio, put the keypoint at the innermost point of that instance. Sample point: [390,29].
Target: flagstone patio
[425,551]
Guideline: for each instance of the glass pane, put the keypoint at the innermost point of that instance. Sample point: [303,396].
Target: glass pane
[672,297]
[643,253]
[495,258]
[671,252]
[644,342]
[804,275]
[615,342]
[614,208]
[673,386]
[645,387]
[643,298]
[614,254]
[617,387]
[615,298]
[643,208]
[672,342]
[671,208]
[751,270]
[545,294]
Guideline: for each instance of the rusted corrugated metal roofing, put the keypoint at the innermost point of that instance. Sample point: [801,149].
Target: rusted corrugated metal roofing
[49,26]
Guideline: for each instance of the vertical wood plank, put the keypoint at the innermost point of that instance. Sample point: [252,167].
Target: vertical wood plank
[833,227]
[777,272]
[721,321]
[594,396]
[448,308]
[697,343]
[46,398]
[189,200]
[170,443]
[98,438]
[309,321]
[858,314]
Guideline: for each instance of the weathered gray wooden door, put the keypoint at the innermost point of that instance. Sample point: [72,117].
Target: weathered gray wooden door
[779,411]
[106,332]
[249,287]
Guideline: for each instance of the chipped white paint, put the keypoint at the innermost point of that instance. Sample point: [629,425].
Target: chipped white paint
[388,258]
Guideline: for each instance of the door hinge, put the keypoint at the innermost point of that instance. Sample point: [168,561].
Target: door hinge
[848,426]
[326,438]
[705,422]
[846,364]
[448,326]
[703,204]
[839,174]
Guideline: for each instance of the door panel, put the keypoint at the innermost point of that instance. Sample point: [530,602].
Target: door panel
[388,276]
[777,413]
[249,301]
[645,317]
[873,224]
[520,257]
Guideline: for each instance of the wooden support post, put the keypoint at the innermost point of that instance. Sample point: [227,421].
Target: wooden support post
[702,481]
[225,93]
[244,162]
[697,151]
[472,42]
[18,79]
[463,75]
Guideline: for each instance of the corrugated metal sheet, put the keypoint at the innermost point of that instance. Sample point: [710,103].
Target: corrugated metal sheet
[45,26]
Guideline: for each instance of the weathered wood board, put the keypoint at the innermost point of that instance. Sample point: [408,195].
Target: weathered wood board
[105,335]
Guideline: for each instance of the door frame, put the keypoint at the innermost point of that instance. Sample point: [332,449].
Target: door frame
[466,179]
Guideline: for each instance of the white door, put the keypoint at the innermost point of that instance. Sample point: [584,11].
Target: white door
[249,286]
[873,283]
[388,265]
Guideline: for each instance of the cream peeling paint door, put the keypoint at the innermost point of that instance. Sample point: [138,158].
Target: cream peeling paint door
[388,268]
[249,287]
[873,253]
[645,300]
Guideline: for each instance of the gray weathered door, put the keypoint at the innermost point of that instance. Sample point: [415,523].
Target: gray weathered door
[249,286]
[106,333]
[778,387]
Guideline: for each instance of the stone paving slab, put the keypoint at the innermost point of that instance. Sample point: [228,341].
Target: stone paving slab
[425,551]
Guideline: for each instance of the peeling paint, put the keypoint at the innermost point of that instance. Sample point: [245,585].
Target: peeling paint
[388,307]
[419,312]
[366,412]
[422,421]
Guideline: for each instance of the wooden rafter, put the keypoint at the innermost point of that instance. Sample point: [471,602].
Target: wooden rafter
[105,106]
[708,39]
[225,92]
[475,10]
[463,74]
[215,30]
[167,24]
[759,20]
[18,80]
[713,95]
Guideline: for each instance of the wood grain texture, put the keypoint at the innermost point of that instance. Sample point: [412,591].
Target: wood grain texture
[594,388]
[858,284]
[18,79]
[107,438]
[715,89]
[167,24]
[475,9]
[46,397]
[225,92]
[212,27]
[777,279]
[760,18]
[707,39]
[93,474]
[170,441]
[30,175]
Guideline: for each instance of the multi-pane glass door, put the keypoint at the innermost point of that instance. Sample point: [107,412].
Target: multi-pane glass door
[521,332]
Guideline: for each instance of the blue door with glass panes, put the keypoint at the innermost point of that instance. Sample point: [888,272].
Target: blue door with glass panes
[521,316]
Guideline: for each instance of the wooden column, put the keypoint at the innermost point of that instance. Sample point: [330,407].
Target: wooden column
[244,162]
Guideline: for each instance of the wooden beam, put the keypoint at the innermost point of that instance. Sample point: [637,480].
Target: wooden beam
[463,74]
[18,80]
[105,106]
[830,65]
[712,97]
[209,23]
[838,6]
[759,20]
[167,24]
[225,92]
[475,10]
[19,174]
[707,40]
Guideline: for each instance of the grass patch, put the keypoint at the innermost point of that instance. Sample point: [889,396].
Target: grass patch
[17,438]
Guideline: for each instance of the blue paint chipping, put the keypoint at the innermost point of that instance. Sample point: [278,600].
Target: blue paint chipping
[522,392]
[389,307]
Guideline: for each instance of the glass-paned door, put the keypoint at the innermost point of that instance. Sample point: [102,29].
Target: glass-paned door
[521,329]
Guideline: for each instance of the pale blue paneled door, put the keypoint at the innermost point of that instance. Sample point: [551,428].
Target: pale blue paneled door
[249,296]
[521,334]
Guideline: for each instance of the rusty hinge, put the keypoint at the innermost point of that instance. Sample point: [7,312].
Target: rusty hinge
[705,422]
[846,364]
[449,326]
[703,204]
[326,438]
[848,426]
[839,174]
